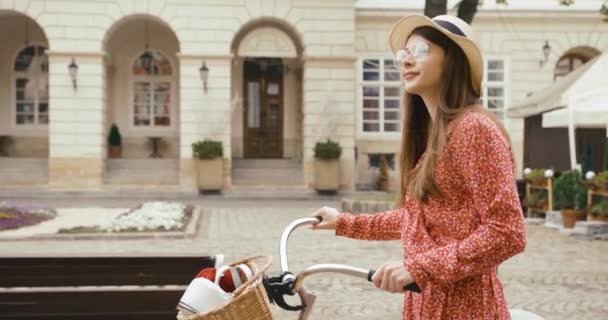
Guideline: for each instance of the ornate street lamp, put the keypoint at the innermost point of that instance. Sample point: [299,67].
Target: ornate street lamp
[204,72]
[546,53]
[73,68]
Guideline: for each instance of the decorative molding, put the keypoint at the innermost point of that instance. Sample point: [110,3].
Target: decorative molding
[206,57]
[75,54]
[343,59]
[267,42]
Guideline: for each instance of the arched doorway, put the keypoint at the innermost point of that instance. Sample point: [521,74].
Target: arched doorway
[24,100]
[267,121]
[142,100]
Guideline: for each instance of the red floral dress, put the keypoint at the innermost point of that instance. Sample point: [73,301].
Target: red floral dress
[452,245]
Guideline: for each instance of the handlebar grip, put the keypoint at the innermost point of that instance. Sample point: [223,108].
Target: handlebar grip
[410,287]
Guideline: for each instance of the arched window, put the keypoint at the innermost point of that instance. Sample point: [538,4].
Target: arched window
[31,74]
[152,88]
[567,63]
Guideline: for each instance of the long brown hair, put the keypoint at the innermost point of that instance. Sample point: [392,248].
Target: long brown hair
[420,133]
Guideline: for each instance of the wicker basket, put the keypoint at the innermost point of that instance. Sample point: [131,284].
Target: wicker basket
[249,301]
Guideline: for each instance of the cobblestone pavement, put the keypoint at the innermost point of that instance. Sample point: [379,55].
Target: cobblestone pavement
[557,277]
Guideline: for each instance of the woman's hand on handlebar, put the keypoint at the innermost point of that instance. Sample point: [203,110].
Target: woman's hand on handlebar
[392,277]
[328,217]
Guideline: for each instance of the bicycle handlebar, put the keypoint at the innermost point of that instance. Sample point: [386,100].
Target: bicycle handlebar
[322,268]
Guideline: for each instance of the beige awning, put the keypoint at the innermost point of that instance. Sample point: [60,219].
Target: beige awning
[550,97]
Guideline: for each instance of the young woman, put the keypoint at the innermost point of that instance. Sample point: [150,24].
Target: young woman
[458,214]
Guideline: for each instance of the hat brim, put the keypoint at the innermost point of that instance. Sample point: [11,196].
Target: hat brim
[404,27]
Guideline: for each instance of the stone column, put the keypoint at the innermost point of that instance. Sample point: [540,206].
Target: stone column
[76,126]
[329,112]
[203,115]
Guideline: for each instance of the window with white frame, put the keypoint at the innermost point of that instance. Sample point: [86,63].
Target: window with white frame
[152,84]
[495,86]
[31,78]
[380,96]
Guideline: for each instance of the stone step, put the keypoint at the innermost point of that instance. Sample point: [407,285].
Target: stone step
[15,171]
[135,164]
[142,171]
[267,172]
[266,163]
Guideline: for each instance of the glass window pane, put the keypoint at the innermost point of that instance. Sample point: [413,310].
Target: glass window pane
[391,104]
[43,119]
[371,127]
[141,120]
[25,119]
[371,76]
[391,127]
[162,121]
[391,115]
[371,64]
[162,98]
[495,76]
[495,92]
[253,107]
[495,64]
[391,76]
[24,58]
[370,104]
[370,115]
[392,91]
[142,102]
[43,107]
[389,65]
[371,91]
[23,107]
[495,103]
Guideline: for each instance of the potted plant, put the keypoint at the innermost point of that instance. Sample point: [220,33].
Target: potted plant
[570,197]
[114,142]
[599,212]
[538,200]
[210,164]
[538,177]
[327,166]
[599,181]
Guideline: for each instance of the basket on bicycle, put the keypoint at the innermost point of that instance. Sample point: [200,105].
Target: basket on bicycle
[249,301]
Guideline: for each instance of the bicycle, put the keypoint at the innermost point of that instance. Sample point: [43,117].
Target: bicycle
[288,284]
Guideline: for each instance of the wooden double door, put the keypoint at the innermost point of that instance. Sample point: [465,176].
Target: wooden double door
[263,108]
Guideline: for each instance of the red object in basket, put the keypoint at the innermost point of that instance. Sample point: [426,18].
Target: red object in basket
[226,282]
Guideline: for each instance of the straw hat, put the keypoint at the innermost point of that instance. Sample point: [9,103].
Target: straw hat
[454,28]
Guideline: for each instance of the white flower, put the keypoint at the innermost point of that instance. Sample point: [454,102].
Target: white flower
[589,175]
[548,173]
[527,171]
[150,216]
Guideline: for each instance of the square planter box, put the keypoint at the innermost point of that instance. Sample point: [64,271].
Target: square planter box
[327,175]
[210,174]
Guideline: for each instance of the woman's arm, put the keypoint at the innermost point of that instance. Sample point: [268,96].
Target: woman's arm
[482,159]
[380,226]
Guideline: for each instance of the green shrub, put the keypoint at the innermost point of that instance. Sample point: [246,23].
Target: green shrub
[569,191]
[114,138]
[207,149]
[327,150]
[537,176]
[600,209]
[600,180]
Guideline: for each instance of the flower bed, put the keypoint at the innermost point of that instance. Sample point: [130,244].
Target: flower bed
[147,217]
[14,217]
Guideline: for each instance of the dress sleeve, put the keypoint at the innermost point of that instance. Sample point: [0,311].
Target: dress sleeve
[481,158]
[379,226]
